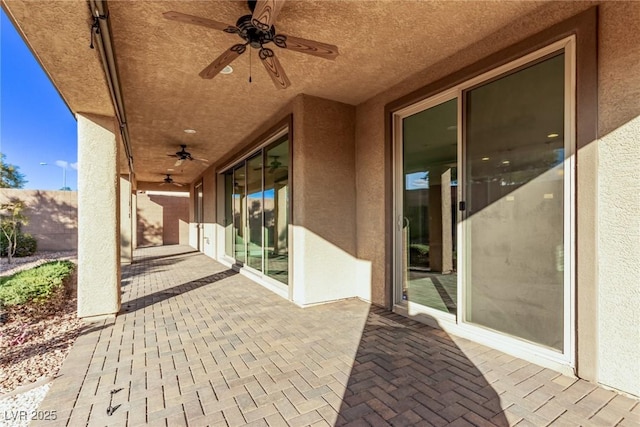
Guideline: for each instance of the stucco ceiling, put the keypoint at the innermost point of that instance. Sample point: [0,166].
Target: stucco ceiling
[380,43]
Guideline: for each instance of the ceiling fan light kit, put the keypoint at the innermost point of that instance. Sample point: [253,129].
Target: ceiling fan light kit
[256,31]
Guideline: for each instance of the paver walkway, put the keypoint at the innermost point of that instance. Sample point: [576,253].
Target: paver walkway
[198,344]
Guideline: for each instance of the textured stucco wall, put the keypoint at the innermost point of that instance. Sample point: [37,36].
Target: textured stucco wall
[324,171]
[162,219]
[53,217]
[619,197]
[98,217]
[323,228]
[616,153]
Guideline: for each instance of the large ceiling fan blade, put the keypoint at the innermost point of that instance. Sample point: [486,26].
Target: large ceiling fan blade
[274,68]
[311,47]
[265,13]
[177,184]
[190,19]
[222,61]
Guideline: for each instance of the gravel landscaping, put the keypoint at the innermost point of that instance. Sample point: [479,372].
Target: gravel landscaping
[35,339]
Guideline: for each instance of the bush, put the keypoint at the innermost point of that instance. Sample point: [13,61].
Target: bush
[36,284]
[419,255]
[26,245]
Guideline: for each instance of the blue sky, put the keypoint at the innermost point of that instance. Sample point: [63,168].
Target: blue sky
[35,124]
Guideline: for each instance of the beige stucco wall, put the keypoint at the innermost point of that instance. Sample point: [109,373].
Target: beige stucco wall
[53,217]
[619,197]
[162,219]
[616,153]
[323,229]
[98,217]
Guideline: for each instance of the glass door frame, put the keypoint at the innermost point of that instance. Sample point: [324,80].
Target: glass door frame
[565,361]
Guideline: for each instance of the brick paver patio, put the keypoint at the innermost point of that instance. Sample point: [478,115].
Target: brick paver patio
[197,344]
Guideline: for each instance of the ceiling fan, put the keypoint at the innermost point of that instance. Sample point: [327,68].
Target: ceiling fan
[273,166]
[257,30]
[183,155]
[169,180]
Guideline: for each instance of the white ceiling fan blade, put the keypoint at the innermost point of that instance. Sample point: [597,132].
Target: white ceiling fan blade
[177,184]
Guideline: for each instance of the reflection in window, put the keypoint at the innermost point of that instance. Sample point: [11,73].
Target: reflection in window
[276,218]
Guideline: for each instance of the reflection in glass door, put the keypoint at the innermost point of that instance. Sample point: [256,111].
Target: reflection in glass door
[514,190]
[276,211]
[254,212]
[430,153]
[229,232]
[239,212]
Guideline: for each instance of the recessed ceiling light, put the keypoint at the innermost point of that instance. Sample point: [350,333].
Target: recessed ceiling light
[553,135]
[170,170]
[189,131]
[505,162]
[484,159]
[227,70]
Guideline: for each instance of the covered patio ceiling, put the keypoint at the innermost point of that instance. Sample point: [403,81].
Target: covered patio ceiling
[380,43]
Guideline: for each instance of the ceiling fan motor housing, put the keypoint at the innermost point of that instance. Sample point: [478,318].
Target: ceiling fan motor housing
[254,36]
[183,154]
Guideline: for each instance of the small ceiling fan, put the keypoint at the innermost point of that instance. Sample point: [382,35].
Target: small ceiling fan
[273,166]
[257,30]
[183,155]
[276,164]
[169,180]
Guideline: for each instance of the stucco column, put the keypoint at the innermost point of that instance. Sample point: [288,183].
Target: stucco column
[98,218]
[126,237]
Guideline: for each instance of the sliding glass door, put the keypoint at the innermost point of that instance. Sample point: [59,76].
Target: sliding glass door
[257,211]
[254,212]
[493,255]
[276,214]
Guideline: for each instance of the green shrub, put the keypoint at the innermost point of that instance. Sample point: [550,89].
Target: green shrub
[419,248]
[36,284]
[26,245]
[419,255]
